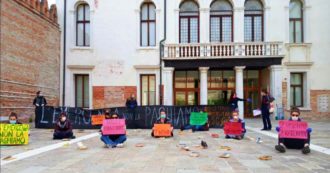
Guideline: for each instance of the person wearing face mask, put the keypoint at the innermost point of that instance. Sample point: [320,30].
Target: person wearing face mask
[39,102]
[131,104]
[289,143]
[194,128]
[235,118]
[113,141]
[233,101]
[12,119]
[63,128]
[162,120]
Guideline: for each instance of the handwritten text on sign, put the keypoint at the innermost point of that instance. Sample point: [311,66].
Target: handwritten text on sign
[97,119]
[233,128]
[293,129]
[14,134]
[162,130]
[114,127]
[197,118]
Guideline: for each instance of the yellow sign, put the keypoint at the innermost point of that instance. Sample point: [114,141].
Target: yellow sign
[14,134]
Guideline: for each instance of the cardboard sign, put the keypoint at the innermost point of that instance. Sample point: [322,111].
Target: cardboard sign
[162,130]
[233,128]
[97,119]
[293,129]
[114,127]
[256,112]
[197,118]
[14,134]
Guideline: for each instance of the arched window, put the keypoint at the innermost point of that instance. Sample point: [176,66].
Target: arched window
[148,24]
[189,22]
[221,21]
[296,21]
[253,21]
[82,25]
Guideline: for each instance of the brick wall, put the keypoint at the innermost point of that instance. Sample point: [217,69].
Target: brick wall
[30,55]
[111,96]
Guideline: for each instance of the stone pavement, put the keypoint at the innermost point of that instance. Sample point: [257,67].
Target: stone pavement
[164,155]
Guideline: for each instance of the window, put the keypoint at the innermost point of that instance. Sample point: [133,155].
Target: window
[82,25]
[296,21]
[189,22]
[82,90]
[186,87]
[148,89]
[221,83]
[148,24]
[253,21]
[296,89]
[221,21]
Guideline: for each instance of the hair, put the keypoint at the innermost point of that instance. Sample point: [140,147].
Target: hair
[264,91]
[38,92]
[107,112]
[13,114]
[295,109]
[63,114]
[231,98]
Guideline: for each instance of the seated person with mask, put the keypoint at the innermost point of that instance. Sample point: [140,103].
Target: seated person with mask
[162,120]
[13,119]
[235,118]
[63,128]
[113,141]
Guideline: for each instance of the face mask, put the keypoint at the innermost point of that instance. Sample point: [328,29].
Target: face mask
[63,118]
[162,116]
[295,118]
[12,121]
[236,117]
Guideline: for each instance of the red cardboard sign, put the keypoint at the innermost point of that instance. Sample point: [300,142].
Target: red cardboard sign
[162,130]
[233,128]
[114,127]
[293,129]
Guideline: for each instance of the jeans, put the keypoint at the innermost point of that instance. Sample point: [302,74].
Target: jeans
[109,141]
[266,119]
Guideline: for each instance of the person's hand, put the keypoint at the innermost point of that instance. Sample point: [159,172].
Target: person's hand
[42,104]
[309,130]
[249,100]
[37,104]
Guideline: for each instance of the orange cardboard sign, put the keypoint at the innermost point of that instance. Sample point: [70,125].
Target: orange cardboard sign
[97,119]
[162,130]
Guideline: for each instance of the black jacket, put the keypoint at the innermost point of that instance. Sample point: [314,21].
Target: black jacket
[131,103]
[39,100]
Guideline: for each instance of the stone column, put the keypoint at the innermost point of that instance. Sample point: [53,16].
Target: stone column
[204,25]
[276,84]
[203,85]
[238,20]
[240,88]
[168,85]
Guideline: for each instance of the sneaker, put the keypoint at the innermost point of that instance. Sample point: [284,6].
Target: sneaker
[121,145]
[182,128]
[306,150]
[227,137]
[280,148]
[73,137]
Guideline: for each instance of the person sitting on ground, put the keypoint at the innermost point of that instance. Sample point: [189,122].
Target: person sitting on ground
[204,127]
[13,119]
[234,118]
[290,143]
[113,141]
[63,128]
[162,120]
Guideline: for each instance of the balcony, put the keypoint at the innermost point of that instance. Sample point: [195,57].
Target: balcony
[223,50]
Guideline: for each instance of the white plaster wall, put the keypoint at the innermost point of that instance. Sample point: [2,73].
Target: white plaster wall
[115,37]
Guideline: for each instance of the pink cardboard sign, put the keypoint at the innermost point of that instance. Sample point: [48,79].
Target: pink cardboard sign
[233,128]
[114,127]
[293,129]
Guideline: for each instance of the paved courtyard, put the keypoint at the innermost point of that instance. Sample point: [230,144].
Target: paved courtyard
[165,155]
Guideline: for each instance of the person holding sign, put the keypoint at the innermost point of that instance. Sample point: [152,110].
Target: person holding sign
[233,101]
[63,128]
[162,120]
[13,119]
[233,132]
[198,122]
[292,140]
[112,140]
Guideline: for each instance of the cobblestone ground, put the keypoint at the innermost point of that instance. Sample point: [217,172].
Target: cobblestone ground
[165,155]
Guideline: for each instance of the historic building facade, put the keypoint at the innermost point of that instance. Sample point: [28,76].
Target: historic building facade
[211,48]
[30,56]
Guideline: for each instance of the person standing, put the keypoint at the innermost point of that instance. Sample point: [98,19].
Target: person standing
[265,106]
[131,104]
[39,102]
[233,101]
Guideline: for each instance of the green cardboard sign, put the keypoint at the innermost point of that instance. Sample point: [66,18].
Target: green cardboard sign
[197,118]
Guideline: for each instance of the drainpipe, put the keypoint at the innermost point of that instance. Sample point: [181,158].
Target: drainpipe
[64,54]
[161,54]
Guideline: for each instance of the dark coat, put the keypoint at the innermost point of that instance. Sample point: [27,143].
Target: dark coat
[65,126]
[39,100]
[131,103]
